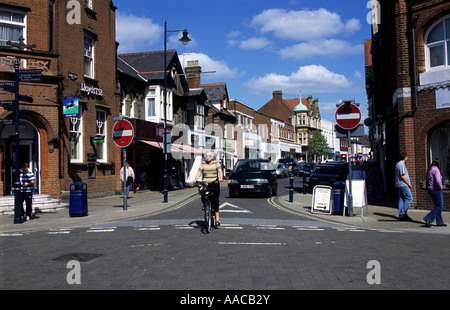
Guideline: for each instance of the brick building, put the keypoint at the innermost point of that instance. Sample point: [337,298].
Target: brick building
[66,131]
[408,74]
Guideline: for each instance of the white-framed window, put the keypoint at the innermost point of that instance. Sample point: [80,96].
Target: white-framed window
[88,56]
[12,25]
[88,4]
[76,138]
[199,120]
[102,151]
[437,42]
[151,107]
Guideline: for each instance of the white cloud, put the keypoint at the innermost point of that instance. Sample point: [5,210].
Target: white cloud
[312,79]
[330,47]
[303,25]
[254,43]
[135,33]
[221,68]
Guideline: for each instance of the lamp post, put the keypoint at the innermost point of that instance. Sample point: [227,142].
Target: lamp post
[185,40]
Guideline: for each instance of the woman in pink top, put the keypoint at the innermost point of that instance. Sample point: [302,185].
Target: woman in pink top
[434,186]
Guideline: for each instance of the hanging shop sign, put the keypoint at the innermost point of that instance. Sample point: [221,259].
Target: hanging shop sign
[71,107]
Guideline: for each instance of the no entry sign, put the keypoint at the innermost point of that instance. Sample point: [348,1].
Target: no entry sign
[123,133]
[348,116]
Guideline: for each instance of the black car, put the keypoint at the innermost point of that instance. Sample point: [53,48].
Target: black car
[307,168]
[253,176]
[328,174]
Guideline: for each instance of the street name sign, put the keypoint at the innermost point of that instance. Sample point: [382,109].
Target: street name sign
[34,75]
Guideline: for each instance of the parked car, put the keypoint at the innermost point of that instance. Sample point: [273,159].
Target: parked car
[282,171]
[291,164]
[307,168]
[328,174]
[253,176]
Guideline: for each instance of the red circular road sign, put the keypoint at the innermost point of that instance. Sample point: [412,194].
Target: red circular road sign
[348,116]
[123,133]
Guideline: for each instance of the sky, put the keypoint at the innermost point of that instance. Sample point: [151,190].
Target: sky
[301,47]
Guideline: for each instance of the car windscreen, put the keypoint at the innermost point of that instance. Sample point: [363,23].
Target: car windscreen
[325,170]
[254,165]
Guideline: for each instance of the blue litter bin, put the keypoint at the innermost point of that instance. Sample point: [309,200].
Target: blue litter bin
[78,200]
[338,197]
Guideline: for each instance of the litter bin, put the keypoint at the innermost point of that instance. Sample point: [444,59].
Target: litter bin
[78,200]
[338,197]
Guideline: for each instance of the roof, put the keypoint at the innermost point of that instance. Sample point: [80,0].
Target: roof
[125,68]
[215,91]
[150,65]
[294,104]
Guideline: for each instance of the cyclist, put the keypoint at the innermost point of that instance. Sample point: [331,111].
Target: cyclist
[212,174]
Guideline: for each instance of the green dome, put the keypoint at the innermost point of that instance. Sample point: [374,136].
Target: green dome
[301,108]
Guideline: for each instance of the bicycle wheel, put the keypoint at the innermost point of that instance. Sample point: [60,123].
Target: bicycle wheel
[208,217]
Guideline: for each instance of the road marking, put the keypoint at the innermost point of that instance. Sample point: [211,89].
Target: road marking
[252,243]
[271,227]
[235,209]
[308,228]
[146,228]
[231,226]
[103,229]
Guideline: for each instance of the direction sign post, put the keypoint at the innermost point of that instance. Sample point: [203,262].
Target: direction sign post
[348,117]
[123,135]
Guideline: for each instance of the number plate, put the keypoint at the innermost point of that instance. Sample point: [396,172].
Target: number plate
[247,186]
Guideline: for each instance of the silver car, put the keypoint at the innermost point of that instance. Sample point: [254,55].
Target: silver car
[282,171]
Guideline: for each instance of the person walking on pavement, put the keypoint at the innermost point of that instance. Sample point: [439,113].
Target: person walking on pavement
[434,186]
[212,174]
[403,185]
[130,178]
[27,180]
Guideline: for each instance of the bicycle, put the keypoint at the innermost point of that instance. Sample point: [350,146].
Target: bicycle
[210,215]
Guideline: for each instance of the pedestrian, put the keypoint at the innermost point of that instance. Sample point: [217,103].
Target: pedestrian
[358,173]
[27,180]
[130,178]
[434,186]
[403,185]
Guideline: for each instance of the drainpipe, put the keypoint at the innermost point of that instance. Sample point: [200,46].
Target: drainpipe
[413,22]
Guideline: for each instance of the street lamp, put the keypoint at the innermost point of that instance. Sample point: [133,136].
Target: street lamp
[185,40]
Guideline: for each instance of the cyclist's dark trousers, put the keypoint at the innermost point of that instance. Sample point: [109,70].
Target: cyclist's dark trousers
[214,198]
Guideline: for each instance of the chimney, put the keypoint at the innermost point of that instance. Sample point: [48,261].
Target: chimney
[193,71]
[278,95]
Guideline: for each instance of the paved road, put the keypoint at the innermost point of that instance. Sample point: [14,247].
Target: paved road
[259,246]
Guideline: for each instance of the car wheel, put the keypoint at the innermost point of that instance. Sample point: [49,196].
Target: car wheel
[232,193]
[275,191]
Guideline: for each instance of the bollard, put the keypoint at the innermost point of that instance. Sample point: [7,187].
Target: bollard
[304,184]
[291,189]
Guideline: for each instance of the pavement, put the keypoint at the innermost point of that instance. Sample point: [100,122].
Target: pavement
[379,215]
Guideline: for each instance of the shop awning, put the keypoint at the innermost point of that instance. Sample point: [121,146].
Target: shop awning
[178,149]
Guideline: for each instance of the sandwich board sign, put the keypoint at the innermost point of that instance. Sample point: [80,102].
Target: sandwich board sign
[321,199]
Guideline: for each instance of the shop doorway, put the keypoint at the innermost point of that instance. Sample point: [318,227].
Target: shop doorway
[28,153]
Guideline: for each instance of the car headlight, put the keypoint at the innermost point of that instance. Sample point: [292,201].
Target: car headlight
[262,181]
[233,182]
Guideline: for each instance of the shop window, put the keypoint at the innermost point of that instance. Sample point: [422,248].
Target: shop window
[101,132]
[439,147]
[76,138]
[438,45]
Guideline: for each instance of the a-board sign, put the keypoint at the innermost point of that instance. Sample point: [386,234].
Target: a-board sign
[359,194]
[321,199]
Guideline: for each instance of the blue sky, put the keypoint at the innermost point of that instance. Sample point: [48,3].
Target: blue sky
[258,46]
